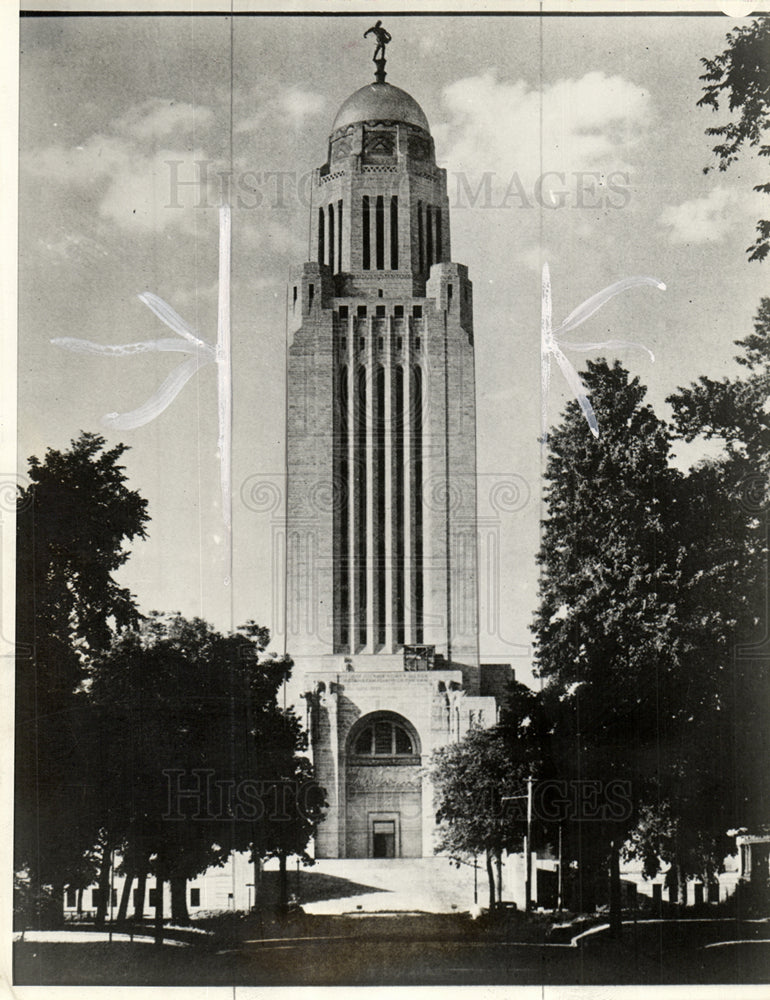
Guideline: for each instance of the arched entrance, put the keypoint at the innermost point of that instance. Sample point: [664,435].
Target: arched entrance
[383,788]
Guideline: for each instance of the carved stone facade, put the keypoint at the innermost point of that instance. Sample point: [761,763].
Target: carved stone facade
[382,599]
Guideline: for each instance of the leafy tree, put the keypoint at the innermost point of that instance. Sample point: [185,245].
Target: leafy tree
[470,779]
[728,591]
[606,635]
[73,522]
[194,744]
[740,78]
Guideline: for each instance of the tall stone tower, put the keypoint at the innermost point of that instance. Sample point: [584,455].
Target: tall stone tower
[382,618]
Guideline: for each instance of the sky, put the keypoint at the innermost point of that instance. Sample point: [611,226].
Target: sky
[574,141]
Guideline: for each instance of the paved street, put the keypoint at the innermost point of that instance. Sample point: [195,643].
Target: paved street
[353,952]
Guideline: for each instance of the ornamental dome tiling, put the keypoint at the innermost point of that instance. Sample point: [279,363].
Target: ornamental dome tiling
[380,102]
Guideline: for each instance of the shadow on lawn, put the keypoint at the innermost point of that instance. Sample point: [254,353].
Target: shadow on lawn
[312,887]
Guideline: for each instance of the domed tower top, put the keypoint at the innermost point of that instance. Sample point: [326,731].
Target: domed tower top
[380,102]
[379,209]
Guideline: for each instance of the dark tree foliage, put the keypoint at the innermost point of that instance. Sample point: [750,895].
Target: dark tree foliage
[728,580]
[470,779]
[73,521]
[199,761]
[605,628]
[652,627]
[739,78]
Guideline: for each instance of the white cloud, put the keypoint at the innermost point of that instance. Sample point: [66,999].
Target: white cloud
[138,185]
[159,119]
[298,104]
[591,123]
[701,220]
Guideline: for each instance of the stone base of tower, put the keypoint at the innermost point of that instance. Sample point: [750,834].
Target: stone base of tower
[372,734]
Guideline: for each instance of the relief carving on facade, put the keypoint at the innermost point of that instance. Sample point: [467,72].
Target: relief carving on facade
[371,779]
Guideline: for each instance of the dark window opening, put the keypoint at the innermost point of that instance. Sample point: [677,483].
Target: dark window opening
[362,343]
[384,738]
[417,311]
[394,232]
[344,511]
[379,465]
[380,311]
[152,897]
[343,343]
[420,238]
[361,311]
[294,297]
[417,343]
[339,235]
[379,293]
[310,293]
[361,512]
[321,248]
[365,243]
[331,238]
[429,236]
[343,312]
[398,492]
[449,291]
[438,235]
[379,230]
[398,310]
[399,343]
[417,493]
[195,897]
[72,897]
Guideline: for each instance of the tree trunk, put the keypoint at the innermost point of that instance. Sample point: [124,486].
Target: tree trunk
[179,913]
[681,885]
[491,877]
[126,895]
[499,863]
[672,883]
[104,886]
[141,886]
[283,881]
[57,905]
[257,879]
[80,904]
[159,907]
[616,914]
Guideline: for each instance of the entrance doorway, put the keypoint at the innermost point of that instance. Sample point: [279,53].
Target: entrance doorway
[383,838]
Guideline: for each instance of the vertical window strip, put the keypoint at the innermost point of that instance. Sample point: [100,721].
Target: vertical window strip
[340,495]
[361,506]
[420,238]
[379,223]
[417,417]
[331,238]
[379,492]
[321,247]
[398,491]
[365,241]
[394,232]
[429,228]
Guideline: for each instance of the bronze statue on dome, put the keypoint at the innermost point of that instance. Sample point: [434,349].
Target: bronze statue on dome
[382,36]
